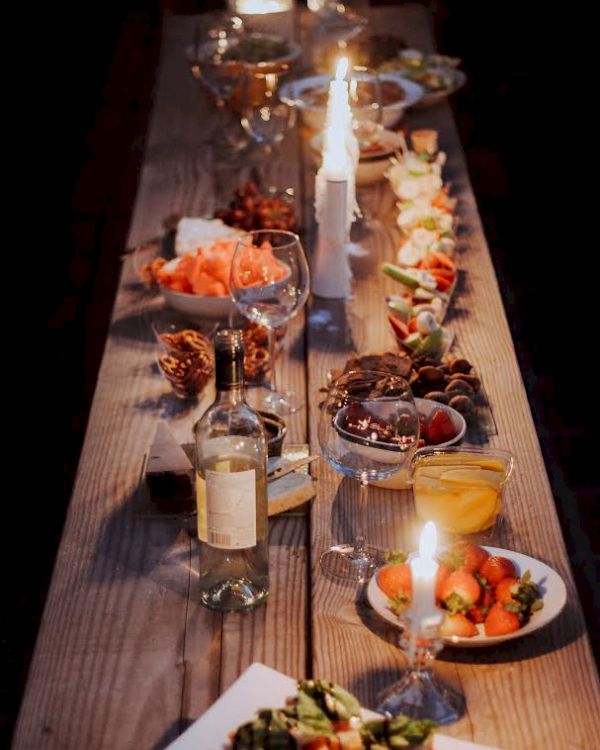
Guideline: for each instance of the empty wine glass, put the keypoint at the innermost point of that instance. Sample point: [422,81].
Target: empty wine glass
[341,21]
[212,61]
[269,283]
[265,118]
[368,429]
[210,57]
[365,99]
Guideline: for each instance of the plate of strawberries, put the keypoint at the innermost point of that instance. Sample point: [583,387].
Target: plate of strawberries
[488,595]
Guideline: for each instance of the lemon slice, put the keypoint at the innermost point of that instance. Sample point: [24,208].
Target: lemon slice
[472,477]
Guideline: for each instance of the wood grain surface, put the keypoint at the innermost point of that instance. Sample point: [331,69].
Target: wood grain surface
[126,657]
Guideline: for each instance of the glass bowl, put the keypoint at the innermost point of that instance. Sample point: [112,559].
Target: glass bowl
[460,488]
[185,358]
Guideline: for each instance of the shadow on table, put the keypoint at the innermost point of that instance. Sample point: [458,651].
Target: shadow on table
[329,325]
[136,541]
[172,733]
[133,327]
[168,406]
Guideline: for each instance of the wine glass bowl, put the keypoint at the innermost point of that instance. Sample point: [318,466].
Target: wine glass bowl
[265,117]
[366,104]
[340,21]
[220,57]
[208,58]
[368,430]
[269,284]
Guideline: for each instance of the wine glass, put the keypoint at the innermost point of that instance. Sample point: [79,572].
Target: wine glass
[211,58]
[368,429]
[265,118]
[365,99]
[269,284]
[341,21]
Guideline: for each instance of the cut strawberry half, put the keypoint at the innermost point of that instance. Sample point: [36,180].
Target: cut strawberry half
[439,428]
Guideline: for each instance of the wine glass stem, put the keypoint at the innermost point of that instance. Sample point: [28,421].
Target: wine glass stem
[272,359]
[359,537]
[268,167]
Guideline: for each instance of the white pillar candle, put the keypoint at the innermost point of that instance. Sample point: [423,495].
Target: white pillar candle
[331,274]
[424,573]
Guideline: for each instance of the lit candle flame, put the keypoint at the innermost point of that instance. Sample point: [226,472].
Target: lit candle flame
[428,541]
[342,69]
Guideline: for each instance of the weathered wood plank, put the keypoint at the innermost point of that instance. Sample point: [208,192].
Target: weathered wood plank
[547,683]
[126,655]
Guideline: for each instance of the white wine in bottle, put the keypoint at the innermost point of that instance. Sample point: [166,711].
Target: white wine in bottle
[231,489]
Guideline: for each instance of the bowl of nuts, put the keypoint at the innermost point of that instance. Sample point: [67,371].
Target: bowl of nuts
[186,358]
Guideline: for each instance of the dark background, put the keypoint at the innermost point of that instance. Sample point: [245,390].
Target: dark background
[528,142]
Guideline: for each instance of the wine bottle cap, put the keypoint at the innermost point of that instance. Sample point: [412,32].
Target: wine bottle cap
[229,359]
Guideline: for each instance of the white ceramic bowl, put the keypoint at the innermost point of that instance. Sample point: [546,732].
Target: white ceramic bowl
[371,168]
[425,407]
[313,115]
[431,96]
[551,586]
[196,306]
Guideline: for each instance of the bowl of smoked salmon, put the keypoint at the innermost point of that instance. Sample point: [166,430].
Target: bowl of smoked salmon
[197,283]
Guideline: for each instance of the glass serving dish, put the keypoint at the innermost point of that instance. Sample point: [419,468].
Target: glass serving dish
[460,488]
[185,357]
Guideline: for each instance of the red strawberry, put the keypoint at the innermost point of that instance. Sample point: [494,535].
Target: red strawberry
[504,591]
[500,621]
[457,625]
[439,427]
[443,573]
[480,609]
[394,580]
[494,569]
[460,591]
[465,556]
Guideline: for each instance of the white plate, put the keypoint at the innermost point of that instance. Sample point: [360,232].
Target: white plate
[371,167]
[551,585]
[431,97]
[258,687]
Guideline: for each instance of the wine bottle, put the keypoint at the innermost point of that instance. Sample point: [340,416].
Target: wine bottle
[231,489]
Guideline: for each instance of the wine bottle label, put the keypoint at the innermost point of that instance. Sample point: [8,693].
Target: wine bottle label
[231,509]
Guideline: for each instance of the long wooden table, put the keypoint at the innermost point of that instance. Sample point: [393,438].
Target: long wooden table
[126,657]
